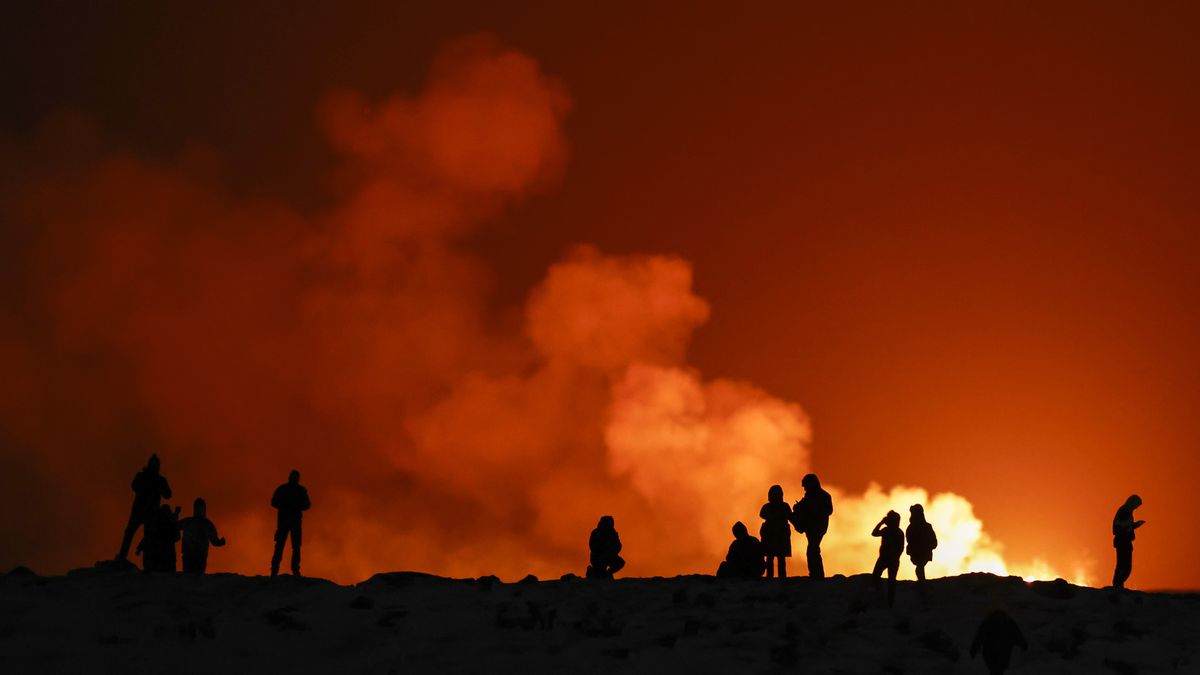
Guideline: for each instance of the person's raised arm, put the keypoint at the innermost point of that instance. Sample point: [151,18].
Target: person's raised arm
[878,531]
[212,535]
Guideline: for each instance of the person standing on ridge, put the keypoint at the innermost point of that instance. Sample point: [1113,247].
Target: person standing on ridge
[1122,528]
[891,547]
[921,540]
[159,535]
[776,532]
[149,489]
[811,516]
[198,533]
[291,501]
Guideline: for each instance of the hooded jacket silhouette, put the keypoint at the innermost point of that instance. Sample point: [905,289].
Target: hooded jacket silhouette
[149,489]
[605,545]
[1123,527]
[776,530]
[996,637]
[745,557]
[811,516]
[198,533]
[921,539]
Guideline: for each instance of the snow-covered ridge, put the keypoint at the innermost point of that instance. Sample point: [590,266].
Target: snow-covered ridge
[104,620]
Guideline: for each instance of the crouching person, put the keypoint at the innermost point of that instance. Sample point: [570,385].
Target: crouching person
[198,533]
[605,544]
[745,559]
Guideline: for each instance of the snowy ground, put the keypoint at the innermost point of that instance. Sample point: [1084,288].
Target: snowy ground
[98,621]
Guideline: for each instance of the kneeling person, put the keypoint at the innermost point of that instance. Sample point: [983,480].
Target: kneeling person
[745,559]
[605,544]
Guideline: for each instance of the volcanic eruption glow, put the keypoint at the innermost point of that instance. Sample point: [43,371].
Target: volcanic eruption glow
[240,339]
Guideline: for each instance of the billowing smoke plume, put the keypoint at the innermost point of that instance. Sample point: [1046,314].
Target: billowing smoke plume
[146,309]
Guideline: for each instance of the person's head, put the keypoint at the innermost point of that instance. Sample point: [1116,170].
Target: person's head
[199,508]
[152,463]
[294,477]
[892,518]
[916,513]
[1133,502]
[607,523]
[811,482]
[739,530]
[775,494]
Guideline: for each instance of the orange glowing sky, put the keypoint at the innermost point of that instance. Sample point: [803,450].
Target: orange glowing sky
[945,247]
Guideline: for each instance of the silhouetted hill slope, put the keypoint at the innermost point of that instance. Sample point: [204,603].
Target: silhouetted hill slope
[110,621]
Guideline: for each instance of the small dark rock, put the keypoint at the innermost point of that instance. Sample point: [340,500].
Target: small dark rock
[784,654]
[390,619]
[1058,589]
[569,576]
[937,641]
[529,579]
[1121,667]
[21,571]
[282,619]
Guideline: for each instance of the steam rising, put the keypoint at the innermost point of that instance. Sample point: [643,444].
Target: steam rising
[152,311]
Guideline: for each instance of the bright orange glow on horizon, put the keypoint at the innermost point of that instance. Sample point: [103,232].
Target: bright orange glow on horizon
[515,281]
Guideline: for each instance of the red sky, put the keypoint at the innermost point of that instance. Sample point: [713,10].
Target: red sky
[962,240]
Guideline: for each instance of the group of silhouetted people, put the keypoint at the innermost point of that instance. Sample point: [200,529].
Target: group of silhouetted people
[162,528]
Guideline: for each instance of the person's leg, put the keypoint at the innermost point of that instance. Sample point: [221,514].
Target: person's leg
[782,567]
[920,572]
[280,538]
[770,567]
[135,521]
[816,566]
[1124,566]
[617,563]
[296,537]
[893,567]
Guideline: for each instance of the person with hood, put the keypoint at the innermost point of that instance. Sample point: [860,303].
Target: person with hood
[921,540]
[1122,528]
[159,535]
[149,489]
[291,501]
[745,557]
[891,547]
[198,533]
[605,545]
[776,531]
[811,516]
[996,637]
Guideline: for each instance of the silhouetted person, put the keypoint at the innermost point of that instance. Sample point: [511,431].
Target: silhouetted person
[1122,529]
[198,533]
[811,516]
[291,501]
[921,540]
[776,531]
[996,637]
[891,546]
[159,535]
[605,545]
[149,489]
[745,557]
